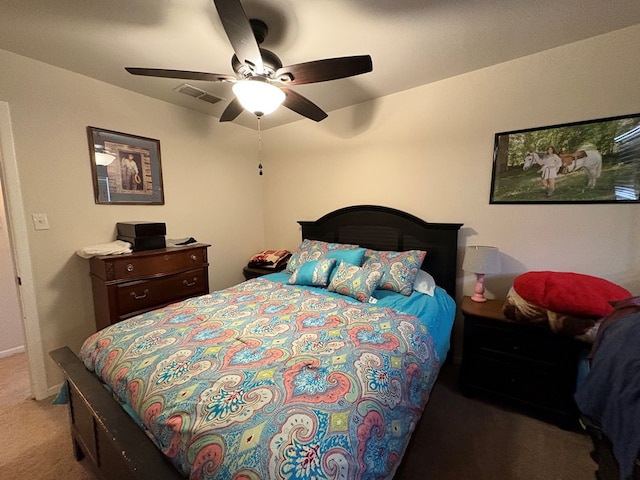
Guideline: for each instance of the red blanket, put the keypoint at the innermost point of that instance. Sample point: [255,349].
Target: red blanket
[569,293]
[568,303]
[518,309]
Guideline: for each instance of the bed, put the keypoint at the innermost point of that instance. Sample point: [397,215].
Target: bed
[268,379]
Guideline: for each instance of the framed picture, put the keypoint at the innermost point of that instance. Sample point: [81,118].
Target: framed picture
[595,161]
[126,168]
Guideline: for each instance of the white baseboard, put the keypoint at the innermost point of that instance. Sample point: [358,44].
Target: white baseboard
[12,351]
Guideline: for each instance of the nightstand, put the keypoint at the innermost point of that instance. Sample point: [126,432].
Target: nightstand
[527,366]
[254,272]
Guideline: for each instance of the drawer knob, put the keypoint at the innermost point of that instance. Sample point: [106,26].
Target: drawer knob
[166,257]
[130,267]
[140,297]
[193,257]
[190,284]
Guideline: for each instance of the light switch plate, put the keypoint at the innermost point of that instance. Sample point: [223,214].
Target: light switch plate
[40,221]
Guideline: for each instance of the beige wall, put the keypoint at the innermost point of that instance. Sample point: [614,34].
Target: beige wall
[212,190]
[428,151]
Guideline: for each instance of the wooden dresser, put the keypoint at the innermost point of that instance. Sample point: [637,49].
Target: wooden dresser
[127,285]
[527,366]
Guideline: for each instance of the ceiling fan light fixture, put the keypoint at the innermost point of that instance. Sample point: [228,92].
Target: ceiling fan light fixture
[102,156]
[261,83]
[258,96]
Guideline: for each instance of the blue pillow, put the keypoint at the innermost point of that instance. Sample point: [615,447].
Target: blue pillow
[315,273]
[352,257]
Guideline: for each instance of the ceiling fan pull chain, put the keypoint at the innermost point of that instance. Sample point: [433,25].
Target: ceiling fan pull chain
[259,146]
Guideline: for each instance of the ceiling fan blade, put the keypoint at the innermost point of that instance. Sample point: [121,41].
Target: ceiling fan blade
[240,34]
[324,70]
[302,105]
[181,74]
[232,111]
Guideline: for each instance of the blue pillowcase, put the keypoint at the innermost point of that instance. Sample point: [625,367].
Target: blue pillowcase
[352,257]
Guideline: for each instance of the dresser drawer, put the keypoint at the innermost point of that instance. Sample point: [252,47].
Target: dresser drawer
[157,264]
[145,264]
[138,296]
[126,285]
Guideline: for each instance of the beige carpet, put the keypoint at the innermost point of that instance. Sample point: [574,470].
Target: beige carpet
[460,438]
[470,439]
[35,435]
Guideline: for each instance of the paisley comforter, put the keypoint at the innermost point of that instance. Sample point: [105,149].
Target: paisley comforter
[271,381]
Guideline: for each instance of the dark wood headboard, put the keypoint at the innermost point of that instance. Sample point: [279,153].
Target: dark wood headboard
[384,228]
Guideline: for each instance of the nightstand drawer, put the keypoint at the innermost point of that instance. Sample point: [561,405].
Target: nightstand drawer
[138,296]
[519,341]
[526,385]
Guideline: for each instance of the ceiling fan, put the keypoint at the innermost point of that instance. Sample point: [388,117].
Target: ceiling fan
[259,74]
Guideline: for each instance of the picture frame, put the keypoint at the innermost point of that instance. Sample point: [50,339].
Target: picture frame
[592,161]
[126,168]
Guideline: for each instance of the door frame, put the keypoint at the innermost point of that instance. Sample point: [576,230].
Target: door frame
[19,239]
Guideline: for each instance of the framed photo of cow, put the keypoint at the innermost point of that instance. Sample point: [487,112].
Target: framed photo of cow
[593,161]
[126,168]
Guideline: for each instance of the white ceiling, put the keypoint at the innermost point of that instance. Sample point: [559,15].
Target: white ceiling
[412,42]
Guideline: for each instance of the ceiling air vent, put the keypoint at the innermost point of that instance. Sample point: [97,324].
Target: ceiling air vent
[197,93]
[207,97]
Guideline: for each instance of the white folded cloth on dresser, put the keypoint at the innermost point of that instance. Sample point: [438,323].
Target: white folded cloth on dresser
[117,247]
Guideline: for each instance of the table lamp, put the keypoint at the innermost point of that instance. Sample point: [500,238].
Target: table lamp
[481,260]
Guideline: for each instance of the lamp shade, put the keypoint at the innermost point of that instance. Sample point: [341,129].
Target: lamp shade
[481,259]
[258,96]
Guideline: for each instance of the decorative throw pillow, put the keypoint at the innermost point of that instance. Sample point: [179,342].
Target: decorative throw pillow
[310,250]
[398,269]
[569,293]
[355,282]
[315,273]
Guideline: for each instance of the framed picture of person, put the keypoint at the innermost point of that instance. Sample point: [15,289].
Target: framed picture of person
[126,168]
[594,161]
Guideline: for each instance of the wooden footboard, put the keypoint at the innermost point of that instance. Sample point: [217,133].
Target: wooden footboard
[102,431]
